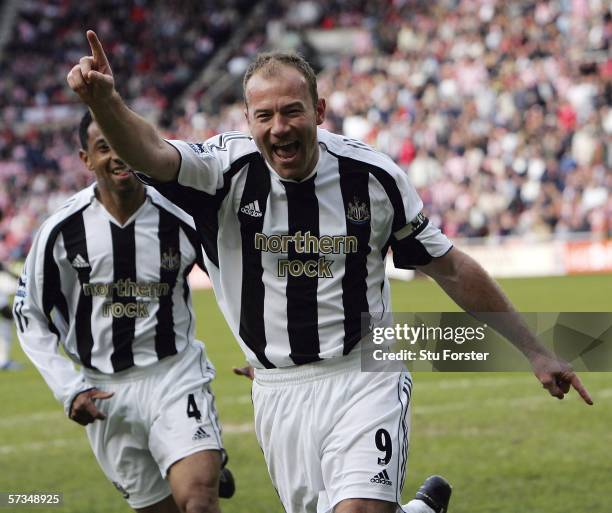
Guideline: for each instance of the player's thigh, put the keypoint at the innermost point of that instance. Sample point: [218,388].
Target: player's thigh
[287,437]
[196,477]
[120,444]
[364,456]
[365,506]
[186,420]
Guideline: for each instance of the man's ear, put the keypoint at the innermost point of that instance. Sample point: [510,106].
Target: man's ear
[320,109]
[85,158]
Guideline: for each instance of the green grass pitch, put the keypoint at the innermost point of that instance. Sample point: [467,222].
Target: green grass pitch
[506,446]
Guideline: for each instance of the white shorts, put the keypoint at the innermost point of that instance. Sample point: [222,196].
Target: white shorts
[158,415]
[330,432]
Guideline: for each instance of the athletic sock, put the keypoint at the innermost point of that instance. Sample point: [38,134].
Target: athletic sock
[416,506]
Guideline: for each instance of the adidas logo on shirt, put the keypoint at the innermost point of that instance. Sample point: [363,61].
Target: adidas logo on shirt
[382,478]
[79,262]
[252,209]
[200,434]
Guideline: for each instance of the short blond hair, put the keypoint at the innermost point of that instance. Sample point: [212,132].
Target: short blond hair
[268,62]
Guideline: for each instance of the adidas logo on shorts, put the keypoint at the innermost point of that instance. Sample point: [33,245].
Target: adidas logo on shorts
[382,478]
[200,434]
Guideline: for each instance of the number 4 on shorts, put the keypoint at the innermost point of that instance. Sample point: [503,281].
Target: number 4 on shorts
[192,408]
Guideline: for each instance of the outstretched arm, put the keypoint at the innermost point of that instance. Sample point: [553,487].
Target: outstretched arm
[134,139]
[473,289]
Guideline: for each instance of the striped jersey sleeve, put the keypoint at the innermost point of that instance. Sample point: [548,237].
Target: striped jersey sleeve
[203,165]
[41,314]
[414,240]
[204,168]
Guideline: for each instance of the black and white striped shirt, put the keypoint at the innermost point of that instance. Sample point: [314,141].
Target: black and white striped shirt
[294,264]
[114,296]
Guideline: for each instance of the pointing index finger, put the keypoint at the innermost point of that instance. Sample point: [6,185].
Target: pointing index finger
[100,394]
[577,384]
[97,52]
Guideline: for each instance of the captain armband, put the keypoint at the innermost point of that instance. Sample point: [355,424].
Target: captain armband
[408,250]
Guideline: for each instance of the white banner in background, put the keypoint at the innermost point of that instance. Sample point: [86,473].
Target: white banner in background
[520,259]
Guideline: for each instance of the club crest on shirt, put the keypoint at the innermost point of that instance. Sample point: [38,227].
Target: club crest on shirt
[358,211]
[170,260]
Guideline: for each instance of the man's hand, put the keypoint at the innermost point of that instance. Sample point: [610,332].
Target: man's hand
[84,410]
[247,372]
[92,78]
[135,140]
[557,376]
[471,287]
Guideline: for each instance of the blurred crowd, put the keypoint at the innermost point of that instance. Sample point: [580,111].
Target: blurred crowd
[500,112]
[156,49]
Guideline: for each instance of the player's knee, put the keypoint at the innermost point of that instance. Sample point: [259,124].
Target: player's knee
[195,484]
[206,501]
[199,497]
[365,506]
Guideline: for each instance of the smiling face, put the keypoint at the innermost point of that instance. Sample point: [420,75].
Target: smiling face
[283,119]
[112,174]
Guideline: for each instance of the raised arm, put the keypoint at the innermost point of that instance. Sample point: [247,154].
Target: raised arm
[473,289]
[134,139]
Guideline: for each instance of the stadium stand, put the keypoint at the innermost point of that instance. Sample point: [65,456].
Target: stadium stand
[500,112]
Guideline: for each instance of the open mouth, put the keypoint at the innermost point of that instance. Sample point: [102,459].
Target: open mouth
[121,172]
[286,151]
